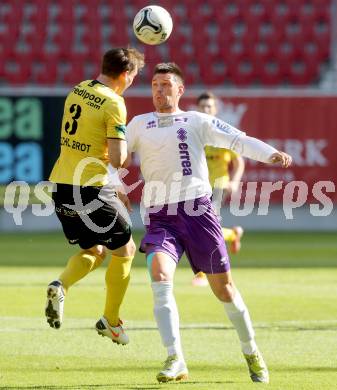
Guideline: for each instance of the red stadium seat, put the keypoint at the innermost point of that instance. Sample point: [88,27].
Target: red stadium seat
[144,77]
[120,35]
[47,73]
[322,37]
[63,42]
[35,37]
[260,51]
[18,73]
[191,74]
[153,56]
[235,51]
[213,73]
[183,55]
[27,56]
[74,74]
[116,10]
[229,12]
[260,11]
[66,14]
[79,55]
[202,13]
[39,14]
[90,41]
[12,14]
[242,73]
[269,72]
[302,73]
[242,42]
[46,55]
[2,70]
[9,33]
[6,51]
[287,52]
[95,69]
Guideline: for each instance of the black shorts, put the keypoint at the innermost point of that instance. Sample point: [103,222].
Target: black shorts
[91,221]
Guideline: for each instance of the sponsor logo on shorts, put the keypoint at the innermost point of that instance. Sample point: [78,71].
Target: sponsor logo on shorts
[71,213]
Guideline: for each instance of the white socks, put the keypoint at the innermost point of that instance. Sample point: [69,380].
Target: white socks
[167,317]
[239,316]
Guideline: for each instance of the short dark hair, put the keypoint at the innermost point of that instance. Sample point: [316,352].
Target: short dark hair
[119,60]
[169,67]
[206,95]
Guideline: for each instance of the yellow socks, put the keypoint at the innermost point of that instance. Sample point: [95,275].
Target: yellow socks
[117,279]
[228,234]
[78,266]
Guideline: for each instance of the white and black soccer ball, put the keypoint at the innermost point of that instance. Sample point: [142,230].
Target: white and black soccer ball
[152,25]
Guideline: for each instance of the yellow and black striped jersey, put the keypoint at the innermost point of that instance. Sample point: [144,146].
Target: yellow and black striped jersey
[93,113]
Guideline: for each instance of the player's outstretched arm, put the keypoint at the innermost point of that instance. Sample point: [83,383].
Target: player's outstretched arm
[220,134]
[280,157]
[260,151]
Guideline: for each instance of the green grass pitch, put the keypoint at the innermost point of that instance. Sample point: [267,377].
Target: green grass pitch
[288,280]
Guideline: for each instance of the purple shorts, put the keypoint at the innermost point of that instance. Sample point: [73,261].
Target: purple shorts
[198,233]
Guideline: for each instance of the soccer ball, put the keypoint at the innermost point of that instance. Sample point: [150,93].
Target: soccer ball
[152,25]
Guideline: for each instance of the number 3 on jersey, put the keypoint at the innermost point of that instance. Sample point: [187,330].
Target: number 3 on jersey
[77,109]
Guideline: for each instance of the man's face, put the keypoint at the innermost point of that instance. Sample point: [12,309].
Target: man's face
[208,106]
[129,76]
[167,88]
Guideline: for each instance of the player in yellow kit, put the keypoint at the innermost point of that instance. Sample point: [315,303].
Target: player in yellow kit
[223,180]
[90,210]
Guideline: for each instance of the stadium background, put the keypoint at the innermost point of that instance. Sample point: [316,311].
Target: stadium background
[271,62]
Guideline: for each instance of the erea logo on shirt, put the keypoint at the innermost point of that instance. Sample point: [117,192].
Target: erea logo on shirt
[184,152]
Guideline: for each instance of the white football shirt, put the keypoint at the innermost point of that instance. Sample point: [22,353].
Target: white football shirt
[171,152]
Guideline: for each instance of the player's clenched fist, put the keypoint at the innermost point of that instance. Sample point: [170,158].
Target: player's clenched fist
[280,157]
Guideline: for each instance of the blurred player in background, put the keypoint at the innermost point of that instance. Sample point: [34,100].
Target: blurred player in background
[181,218]
[93,127]
[225,170]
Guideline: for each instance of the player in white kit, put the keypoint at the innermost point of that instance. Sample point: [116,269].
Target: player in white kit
[180,216]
